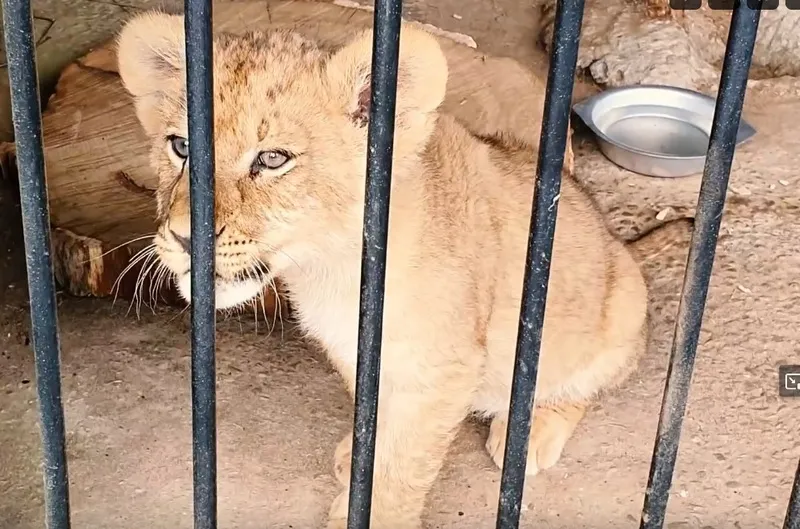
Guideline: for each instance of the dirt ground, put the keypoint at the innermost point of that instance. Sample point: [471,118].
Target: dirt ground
[281,408]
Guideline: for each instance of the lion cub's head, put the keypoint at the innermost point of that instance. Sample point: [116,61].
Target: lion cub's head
[290,133]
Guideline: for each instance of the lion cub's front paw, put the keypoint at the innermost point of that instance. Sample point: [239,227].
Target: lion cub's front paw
[337,524]
[551,429]
[342,458]
[337,515]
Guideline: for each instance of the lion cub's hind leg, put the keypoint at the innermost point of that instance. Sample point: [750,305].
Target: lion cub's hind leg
[552,427]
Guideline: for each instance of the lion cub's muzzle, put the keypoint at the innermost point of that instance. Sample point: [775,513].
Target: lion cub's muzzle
[241,275]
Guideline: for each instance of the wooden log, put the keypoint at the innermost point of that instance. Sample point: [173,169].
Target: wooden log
[658,9]
[99,181]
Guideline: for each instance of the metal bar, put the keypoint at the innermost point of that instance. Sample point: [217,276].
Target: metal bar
[710,205]
[200,102]
[792,520]
[552,143]
[26,114]
[380,139]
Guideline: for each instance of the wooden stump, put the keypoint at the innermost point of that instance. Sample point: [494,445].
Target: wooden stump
[657,9]
[99,181]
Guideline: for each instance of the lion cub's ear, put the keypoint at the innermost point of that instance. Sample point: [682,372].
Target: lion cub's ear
[421,75]
[151,56]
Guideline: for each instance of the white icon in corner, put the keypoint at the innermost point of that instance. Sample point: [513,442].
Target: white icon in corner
[791,381]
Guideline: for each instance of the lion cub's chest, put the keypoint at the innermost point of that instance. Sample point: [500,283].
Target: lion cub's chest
[327,308]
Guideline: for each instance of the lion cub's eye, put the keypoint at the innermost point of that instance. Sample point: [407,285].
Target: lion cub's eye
[271,161]
[180,146]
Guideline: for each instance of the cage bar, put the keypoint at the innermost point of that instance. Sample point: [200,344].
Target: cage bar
[27,117]
[200,102]
[710,205]
[792,520]
[380,139]
[26,114]
[552,144]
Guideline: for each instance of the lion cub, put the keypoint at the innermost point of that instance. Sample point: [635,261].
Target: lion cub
[290,133]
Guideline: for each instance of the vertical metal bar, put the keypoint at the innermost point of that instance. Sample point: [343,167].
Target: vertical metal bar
[710,205]
[26,113]
[200,101]
[792,520]
[380,139]
[552,143]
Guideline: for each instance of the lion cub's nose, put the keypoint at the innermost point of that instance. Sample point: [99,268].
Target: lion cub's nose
[183,241]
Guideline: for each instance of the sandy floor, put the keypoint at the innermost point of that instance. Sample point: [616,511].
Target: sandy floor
[281,408]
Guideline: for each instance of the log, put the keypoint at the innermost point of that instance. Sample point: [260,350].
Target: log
[640,42]
[99,181]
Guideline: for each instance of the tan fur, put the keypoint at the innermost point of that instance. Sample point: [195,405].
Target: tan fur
[460,212]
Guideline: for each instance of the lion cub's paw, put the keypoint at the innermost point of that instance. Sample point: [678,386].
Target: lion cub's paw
[342,458]
[337,515]
[337,524]
[551,429]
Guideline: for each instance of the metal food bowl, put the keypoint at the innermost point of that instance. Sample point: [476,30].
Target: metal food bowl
[654,130]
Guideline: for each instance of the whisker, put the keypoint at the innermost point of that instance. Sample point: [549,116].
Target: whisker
[274,249]
[167,280]
[249,272]
[136,300]
[149,236]
[260,301]
[260,297]
[264,310]
[273,287]
[144,253]
[155,284]
[149,272]
[255,313]
[252,273]
[181,313]
[278,312]
[165,273]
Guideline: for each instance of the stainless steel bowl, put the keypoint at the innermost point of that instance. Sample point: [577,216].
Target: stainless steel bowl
[654,130]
